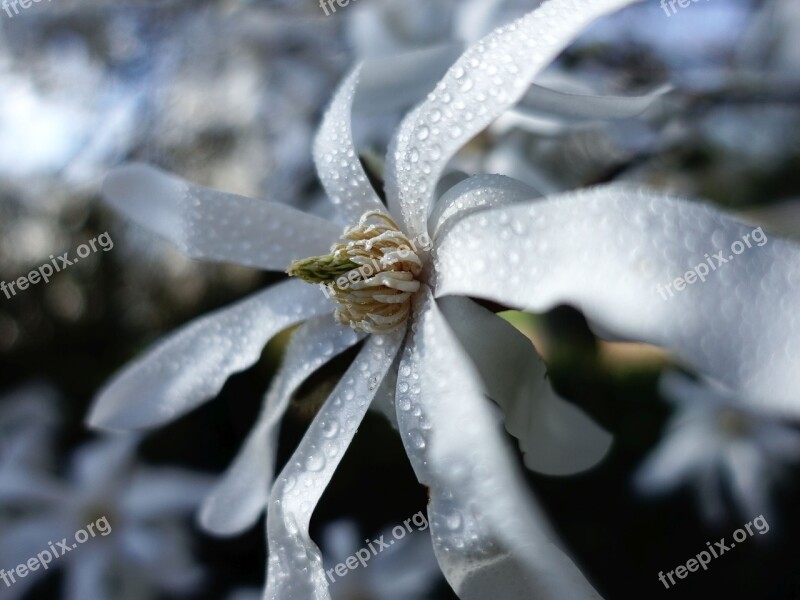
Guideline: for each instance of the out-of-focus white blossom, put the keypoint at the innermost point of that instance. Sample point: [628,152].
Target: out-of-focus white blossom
[719,448]
[141,545]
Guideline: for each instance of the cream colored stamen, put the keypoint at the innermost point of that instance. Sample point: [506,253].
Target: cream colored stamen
[371,274]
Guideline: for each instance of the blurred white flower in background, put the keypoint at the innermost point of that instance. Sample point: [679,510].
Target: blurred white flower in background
[141,545]
[719,448]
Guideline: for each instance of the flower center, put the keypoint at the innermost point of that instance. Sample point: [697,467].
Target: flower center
[733,423]
[371,274]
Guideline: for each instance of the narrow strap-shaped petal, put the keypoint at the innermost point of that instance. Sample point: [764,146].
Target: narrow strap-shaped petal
[295,569]
[748,472]
[25,539]
[336,158]
[542,99]
[238,500]
[192,364]
[24,486]
[211,225]
[164,492]
[489,78]
[87,577]
[488,533]
[476,193]
[614,252]
[556,437]
[688,453]
[383,403]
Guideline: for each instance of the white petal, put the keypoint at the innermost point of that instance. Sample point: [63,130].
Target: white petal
[240,497]
[474,194]
[99,463]
[473,17]
[383,402]
[192,364]
[748,477]
[23,486]
[216,226]
[339,540]
[369,32]
[708,488]
[685,453]
[541,99]
[164,492]
[611,251]
[488,534]
[337,161]
[86,575]
[556,437]
[295,566]
[163,554]
[26,539]
[400,81]
[489,78]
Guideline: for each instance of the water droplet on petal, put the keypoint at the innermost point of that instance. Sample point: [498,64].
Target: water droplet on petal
[330,428]
[315,462]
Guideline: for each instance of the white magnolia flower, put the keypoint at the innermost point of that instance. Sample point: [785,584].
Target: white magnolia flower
[139,547]
[433,351]
[718,447]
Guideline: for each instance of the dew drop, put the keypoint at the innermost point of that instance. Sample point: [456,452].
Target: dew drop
[315,462]
[330,428]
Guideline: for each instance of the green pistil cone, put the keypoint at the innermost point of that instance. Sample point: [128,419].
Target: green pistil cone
[320,269]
